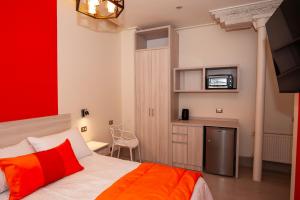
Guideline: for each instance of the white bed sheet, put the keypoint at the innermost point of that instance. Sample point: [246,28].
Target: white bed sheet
[100,172]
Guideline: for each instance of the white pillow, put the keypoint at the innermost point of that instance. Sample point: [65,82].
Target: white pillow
[79,146]
[20,149]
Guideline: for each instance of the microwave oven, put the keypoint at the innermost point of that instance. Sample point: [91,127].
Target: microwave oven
[224,81]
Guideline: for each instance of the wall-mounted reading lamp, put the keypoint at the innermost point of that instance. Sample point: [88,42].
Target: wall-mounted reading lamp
[84,112]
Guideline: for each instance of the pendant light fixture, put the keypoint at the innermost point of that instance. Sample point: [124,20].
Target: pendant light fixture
[100,9]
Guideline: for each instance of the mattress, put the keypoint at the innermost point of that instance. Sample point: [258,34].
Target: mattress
[100,173]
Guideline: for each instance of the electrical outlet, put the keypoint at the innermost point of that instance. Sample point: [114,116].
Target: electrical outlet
[219,110]
[84,129]
[111,122]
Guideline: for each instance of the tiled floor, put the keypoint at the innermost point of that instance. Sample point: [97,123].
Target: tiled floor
[275,186]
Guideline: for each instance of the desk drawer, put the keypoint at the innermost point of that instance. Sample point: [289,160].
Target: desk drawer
[180,138]
[180,129]
[179,153]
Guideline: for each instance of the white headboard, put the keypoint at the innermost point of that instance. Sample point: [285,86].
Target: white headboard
[14,132]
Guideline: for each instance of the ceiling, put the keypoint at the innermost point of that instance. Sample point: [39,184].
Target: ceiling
[149,13]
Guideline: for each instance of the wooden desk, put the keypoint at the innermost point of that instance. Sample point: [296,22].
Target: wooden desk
[187,141]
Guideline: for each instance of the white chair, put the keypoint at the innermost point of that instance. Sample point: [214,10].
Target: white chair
[124,139]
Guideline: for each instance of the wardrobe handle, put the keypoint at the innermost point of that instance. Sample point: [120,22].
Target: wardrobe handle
[152,112]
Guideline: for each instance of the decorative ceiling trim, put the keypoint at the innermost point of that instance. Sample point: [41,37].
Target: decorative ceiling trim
[196,26]
[242,16]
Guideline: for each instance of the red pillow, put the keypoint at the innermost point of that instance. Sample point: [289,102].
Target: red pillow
[27,173]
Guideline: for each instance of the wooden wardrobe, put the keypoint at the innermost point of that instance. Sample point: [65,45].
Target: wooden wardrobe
[156,105]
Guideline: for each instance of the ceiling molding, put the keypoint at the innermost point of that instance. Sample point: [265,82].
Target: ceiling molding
[196,26]
[243,16]
[132,28]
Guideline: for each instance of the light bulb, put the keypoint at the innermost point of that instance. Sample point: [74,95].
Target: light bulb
[92,6]
[92,9]
[94,2]
[110,7]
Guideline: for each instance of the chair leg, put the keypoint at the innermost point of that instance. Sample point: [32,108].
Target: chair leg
[119,152]
[139,149]
[131,154]
[112,150]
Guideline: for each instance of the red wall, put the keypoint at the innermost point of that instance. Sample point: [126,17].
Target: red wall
[297,179]
[28,59]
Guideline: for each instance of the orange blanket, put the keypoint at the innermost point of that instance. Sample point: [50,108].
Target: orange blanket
[153,181]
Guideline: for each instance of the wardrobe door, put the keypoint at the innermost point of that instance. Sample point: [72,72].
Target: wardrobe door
[160,102]
[143,104]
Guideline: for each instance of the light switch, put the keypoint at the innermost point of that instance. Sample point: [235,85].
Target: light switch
[219,110]
[84,129]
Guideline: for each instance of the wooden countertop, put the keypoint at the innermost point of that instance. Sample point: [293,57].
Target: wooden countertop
[218,122]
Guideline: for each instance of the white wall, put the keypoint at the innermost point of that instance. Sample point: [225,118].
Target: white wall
[96,71]
[211,45]
[279,107]
[89,73]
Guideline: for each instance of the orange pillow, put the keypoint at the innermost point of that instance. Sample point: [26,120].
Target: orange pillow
[25,174]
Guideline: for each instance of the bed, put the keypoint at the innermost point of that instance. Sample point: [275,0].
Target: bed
[99,173]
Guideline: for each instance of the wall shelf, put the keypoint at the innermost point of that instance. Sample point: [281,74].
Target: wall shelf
[188,79]
[153,38]
[193,79]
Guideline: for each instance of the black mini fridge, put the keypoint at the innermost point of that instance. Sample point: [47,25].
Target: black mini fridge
[220,151]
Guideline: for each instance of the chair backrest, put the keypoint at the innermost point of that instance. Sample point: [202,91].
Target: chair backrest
[116,132]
